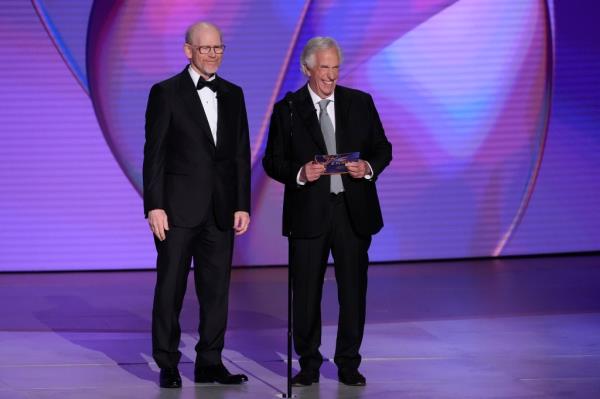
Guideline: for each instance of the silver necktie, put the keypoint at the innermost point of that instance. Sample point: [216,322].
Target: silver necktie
[329,135]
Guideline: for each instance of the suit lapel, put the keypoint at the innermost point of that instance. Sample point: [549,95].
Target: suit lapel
[306,110]
[193,104]
[222,107]
[342,105]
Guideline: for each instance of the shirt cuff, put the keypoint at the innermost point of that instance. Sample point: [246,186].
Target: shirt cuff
[298,181]
[369,175]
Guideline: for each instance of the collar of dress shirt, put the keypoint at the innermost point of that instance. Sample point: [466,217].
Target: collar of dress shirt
[196,76]
[315,97]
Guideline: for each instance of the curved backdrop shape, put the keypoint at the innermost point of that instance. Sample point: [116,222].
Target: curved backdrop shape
[489,107]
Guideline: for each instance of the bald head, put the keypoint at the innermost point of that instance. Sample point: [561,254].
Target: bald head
[199,28]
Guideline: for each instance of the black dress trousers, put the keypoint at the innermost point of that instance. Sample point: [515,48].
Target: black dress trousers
[308,262]
[211,249]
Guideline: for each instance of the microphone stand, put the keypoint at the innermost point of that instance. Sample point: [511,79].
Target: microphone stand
[290,326]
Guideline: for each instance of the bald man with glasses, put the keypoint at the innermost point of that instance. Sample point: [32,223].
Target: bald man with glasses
[196,198]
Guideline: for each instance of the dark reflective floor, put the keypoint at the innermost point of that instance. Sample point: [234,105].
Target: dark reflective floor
[511,328]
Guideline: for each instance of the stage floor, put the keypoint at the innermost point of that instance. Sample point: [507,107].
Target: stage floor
[512,328]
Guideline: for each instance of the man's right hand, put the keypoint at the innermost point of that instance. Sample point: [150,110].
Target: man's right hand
[311,171]
[157,219]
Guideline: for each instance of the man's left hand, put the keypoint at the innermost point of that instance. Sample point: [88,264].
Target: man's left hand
[241,221]
[358,169]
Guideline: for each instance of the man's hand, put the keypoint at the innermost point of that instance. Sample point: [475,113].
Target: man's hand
[241,221]
[311,171]
[358,169]
[157,219]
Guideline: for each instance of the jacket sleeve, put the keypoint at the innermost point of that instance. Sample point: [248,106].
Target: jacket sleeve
[157,125]
[243,160]
[277,160]
[380,154]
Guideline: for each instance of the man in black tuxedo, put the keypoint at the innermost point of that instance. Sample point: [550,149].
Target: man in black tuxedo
[323,213]
[196,196]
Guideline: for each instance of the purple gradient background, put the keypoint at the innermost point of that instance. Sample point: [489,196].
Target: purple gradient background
[493,116]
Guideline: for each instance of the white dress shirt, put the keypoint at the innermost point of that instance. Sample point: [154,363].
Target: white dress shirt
[330,107]
[208,98]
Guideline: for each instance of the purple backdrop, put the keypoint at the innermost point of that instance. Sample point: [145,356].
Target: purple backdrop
[492,108]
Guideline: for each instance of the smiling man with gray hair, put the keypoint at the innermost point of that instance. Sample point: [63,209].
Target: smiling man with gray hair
[327,146]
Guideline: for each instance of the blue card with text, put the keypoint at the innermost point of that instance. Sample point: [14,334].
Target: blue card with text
[336,163]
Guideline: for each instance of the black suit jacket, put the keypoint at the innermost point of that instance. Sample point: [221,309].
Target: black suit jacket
[184,172]
[292,144]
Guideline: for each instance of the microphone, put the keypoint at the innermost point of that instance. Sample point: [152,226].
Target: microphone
[290,102]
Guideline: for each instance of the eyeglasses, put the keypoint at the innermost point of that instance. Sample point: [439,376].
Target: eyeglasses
[206,49]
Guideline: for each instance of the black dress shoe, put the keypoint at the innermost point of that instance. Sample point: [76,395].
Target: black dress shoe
[352,377]
[218,373]
[305,378]
[170,378]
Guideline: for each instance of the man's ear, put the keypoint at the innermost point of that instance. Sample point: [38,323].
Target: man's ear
[188,51]
[305,70]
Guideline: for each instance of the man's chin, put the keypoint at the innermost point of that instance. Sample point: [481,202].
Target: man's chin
[210,71]
[327,91]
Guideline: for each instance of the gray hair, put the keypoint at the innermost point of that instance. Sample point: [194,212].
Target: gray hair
[318,43]
[189,33]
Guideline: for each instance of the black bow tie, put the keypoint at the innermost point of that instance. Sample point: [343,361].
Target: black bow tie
[211,84]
